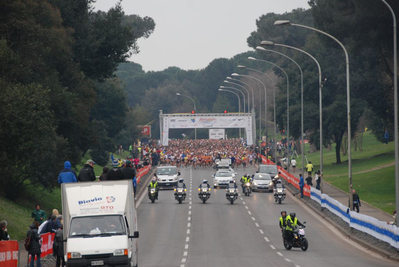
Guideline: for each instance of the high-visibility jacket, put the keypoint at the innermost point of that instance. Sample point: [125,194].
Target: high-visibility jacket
[283,221]
[293,223]
[246,179]
[153,185]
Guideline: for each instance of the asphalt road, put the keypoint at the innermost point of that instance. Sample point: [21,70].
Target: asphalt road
[244,234]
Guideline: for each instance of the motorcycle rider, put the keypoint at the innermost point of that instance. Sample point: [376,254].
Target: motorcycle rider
[204,184]
[231,184]
[291,222]
[181,184]
[153,184]
[283,222]
[245,179]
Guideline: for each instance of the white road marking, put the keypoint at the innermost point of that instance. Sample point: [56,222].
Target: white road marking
[257,225]
[189,198]
[188,231]
[189,207]
[186,246]
[281,254]
[185,253]
[297,266]
[189,218]
[287,260]
[187,239]
[189,212]
[272,247]
[182,265]
[261,231]
[253,218]
[267,239]
[243,202]
[241,198]
[191,202]
[249,213]
[189,225]
[183,260]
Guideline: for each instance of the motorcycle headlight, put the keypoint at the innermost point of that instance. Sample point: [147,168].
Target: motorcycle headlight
[271,183]
[199,189]
[247,184]
[121,252]
[185,190]
[174,189]
[74,255]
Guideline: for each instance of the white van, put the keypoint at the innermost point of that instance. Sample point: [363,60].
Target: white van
[100,224]
[167,176]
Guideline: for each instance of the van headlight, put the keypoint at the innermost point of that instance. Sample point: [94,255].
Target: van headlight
[121,252]
[74,255]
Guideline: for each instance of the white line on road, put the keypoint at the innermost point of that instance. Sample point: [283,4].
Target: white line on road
[189,198]
[189,207]
[272,247]
[253,218]
[281,254]
[187,239]
[257,225]
[182,265]
[189,218]
[186,246]
[188,231]
[185,253]
[183,260]
[249,213]
[191,203]
[297,266]
[267,239]
[243,202]
[261,231]
[189,225]
[189,212]
[241,198]
[287,260]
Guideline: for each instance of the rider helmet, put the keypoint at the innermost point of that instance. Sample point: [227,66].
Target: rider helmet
[154,179]
[292,215]
[181,180]
[205,181]
[231,182]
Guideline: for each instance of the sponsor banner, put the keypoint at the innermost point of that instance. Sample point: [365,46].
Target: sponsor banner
[47,241]
[9,253]
[216,134]
[143,171]
[146,130]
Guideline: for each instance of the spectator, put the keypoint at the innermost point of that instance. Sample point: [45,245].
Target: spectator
[35,246]
[309,181]
[317,177]
[309,168]
[134,186]
[38,215]
[50,226]
[86,174]
[58,248]
[356,201]
[128,171]
[301,184]
[67,175]
[104,175]
[293,164]
[386,136]
[115,173]
[59,218]
[3,231]
[136,162]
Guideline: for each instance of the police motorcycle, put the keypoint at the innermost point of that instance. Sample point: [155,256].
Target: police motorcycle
[180,191]
[246,187]
[299,240]
[231,192]
[204,191]
[279,192]
[152,194]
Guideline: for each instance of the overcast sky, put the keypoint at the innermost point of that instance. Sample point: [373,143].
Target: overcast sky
[189,34]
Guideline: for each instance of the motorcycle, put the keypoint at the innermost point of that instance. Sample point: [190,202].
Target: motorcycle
[247,189]
[299,240]
[204,193]
[279,193]
[180,194]
[152,194]
[231,194]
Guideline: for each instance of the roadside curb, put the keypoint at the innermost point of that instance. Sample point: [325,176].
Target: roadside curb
[347,234]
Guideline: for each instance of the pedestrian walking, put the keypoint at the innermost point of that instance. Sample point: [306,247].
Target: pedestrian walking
[3,231]
[301,184]
[386,136]
[67,175]
[35,246]
[58,248]
[356,201]
[104,175]
[86,174]
[38,215]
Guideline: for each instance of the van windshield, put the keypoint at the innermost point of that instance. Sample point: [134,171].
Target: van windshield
[97,226]
[166,171]
[268,169]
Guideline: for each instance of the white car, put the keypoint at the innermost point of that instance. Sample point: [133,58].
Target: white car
[222,178]
[262,181]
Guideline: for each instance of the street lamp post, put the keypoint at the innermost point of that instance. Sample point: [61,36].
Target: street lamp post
[229,81]
[268,43]
[300,69]
[252,90]
[395,93]
[238,97]
[195,110]
[228,87]
[260,100]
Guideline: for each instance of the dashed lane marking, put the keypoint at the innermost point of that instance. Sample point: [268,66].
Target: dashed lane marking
[188,231]
[249,213]
[246,207]
[253,218]
[185,253]
[186,246]
[189,212]
[187,239]
[183,260]
[287,260]
[257,225]
[189,225]
[281,254]
[272,247]
[243,202]
[261,231]
[267,239]
[189,218]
